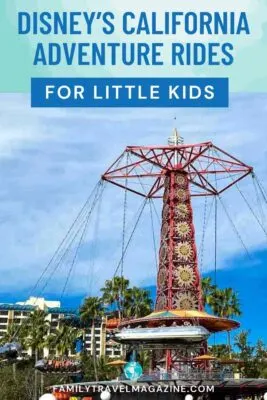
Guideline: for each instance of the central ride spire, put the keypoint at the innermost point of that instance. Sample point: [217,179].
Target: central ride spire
[178,276]
[178,281]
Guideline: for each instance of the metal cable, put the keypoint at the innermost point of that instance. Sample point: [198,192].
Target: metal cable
[131,236]
[234,227]
[80,243]
[48,279]
[123,235]
[138,177]
[215,228]
[75,236]
[262,190]
[215,240]
[201,248]
[251,209]
[123,226]
[96,188]
[153,235]
[261,211]
[207,223]
[75,256]
[142,184]
[91,264]
[65,238]
[248,204]
[156,211]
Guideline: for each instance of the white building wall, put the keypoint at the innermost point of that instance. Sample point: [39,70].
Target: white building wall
[104,347]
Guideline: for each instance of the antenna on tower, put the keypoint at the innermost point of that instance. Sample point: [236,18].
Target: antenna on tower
[175,139]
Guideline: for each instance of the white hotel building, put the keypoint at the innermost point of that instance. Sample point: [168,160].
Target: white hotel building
[17,312]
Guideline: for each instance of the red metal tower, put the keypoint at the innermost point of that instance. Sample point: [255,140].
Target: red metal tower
[178,282]
[177,172]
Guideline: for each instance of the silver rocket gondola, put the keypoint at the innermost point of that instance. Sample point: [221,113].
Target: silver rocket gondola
[172,334]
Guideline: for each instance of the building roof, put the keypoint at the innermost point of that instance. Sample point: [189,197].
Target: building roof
[27,307]
[62,310]
[16,307]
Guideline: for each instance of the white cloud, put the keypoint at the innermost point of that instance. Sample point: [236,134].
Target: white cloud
[51,159]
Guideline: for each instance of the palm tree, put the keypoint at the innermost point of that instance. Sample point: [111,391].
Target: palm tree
[114,293]
[13,333]
[225,304]
[106,372]
[241,342]
[137,302]
[220,351]
[207,290]
[246,353]
[63,339]
[35,330]
[90,311]
[261,358]
[144,358]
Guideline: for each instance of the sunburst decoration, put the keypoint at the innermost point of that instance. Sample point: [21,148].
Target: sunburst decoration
[183,229]
[185,276]
[186,301]
[177,236]
[184,251]
[182,210]
[180,179]
[181,194]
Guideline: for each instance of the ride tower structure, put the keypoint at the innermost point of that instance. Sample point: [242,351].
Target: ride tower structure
[176,173]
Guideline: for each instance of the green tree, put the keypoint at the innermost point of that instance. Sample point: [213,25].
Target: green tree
[246,354]
[35,330]
[23,387]
[12,334]
[90,311]
[144,357]
[225,304]
[114,293]
[20,387]
[105,371]
[138,302]
[207,290]
[220,351]
[261,358]
[63,339]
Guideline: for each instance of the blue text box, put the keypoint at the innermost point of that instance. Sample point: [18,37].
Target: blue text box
[129,92]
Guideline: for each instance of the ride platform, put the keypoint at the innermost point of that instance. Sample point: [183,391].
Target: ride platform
[182,317]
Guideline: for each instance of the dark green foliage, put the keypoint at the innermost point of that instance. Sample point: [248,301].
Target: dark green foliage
[105,372]
[17,380]
[253,357]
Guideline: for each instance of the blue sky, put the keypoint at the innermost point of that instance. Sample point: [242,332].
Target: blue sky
[50,161]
